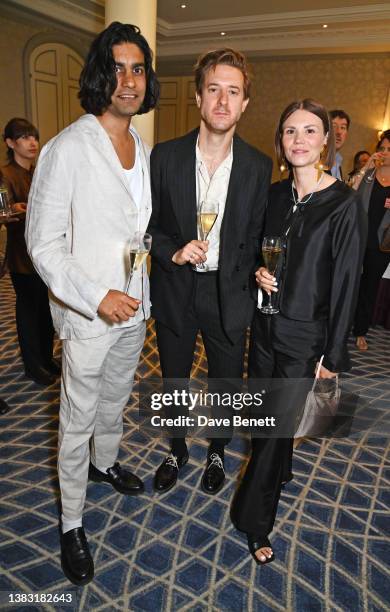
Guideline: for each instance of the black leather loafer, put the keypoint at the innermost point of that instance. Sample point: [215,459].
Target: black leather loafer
[76,560]
[214,474]
[40,376]
[255,543]
[166,475]
[122,480]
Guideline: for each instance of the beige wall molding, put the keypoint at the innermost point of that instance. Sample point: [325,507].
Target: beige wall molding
[72,14]
[373,12]
[340,40]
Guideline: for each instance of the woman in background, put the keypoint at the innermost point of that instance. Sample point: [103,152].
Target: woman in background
[33,318]
[323,226]
[373,186]
[359,160]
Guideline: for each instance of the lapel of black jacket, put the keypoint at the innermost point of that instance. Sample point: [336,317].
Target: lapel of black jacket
[183,195]
[238,201]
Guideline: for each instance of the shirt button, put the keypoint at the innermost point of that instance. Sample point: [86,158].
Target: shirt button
[241,246]
[237,268]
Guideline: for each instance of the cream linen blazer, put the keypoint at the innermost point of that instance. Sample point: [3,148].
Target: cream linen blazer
[80,220]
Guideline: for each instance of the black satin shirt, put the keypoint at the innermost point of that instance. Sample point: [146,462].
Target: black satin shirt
[322,264]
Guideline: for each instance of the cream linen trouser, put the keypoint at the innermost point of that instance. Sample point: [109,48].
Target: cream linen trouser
[97,378]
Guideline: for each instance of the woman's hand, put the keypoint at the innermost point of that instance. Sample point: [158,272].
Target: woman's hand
[324,372]
[19,207]
[265,280]
[370,164]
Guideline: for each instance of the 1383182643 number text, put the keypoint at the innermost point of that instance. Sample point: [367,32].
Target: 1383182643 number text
[49,598]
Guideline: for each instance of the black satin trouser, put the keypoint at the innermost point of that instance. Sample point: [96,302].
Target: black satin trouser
[280,348]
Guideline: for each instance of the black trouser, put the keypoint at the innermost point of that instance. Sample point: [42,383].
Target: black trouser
[33,320]
[374,264]
[280,348]
[225,360]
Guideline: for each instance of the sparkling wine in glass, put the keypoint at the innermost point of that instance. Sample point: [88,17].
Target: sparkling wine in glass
[271,250]
[140,246]
[207,216]
[5,207]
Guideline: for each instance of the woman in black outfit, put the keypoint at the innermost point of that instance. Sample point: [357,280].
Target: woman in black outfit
[33,319]
[325,232]
[373,186]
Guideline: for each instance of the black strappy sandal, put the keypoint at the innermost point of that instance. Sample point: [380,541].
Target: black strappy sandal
[255,543]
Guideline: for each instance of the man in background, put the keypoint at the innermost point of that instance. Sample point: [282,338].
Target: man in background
[341,122]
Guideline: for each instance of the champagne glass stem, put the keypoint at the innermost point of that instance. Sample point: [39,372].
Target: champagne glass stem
[128,284]
[270,305]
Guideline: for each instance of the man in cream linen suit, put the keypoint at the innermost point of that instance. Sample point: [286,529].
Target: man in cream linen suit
[90,194]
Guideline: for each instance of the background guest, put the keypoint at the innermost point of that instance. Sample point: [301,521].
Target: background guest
[33,318]
[359,160]
[373,185]
[340,122]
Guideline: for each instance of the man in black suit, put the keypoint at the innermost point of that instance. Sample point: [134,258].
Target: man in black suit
[208,164]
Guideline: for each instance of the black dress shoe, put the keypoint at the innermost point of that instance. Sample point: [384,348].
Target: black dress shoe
[214,474]
[53,366]
[122,480]
[255,543]
[3,407]
[76,560]
[40,376]
[166,475]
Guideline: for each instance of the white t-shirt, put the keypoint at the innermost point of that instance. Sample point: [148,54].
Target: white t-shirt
[134,176]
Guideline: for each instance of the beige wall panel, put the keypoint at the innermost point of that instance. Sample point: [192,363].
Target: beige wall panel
[11,71]
[74,67]
[169,90]
[47,100]
[46,62]
[192,117]
[166,120]
[71,66]
[191,89]
[358,85]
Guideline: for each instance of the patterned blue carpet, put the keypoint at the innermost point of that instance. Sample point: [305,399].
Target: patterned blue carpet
[179,551]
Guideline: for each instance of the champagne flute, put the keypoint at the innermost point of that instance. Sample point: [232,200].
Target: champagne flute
[140,246]
[207,216]
[377,164]
[5,207]
[271,249]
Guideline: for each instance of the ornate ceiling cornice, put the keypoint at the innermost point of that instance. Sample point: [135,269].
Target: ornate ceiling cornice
[373,12]
[358,28]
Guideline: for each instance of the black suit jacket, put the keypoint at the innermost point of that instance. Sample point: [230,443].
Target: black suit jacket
[173,225]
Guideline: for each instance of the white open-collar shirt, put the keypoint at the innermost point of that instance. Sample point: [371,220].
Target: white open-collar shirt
[213,188]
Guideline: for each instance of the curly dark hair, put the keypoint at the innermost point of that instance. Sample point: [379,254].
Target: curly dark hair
[16,128]
[98,78]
